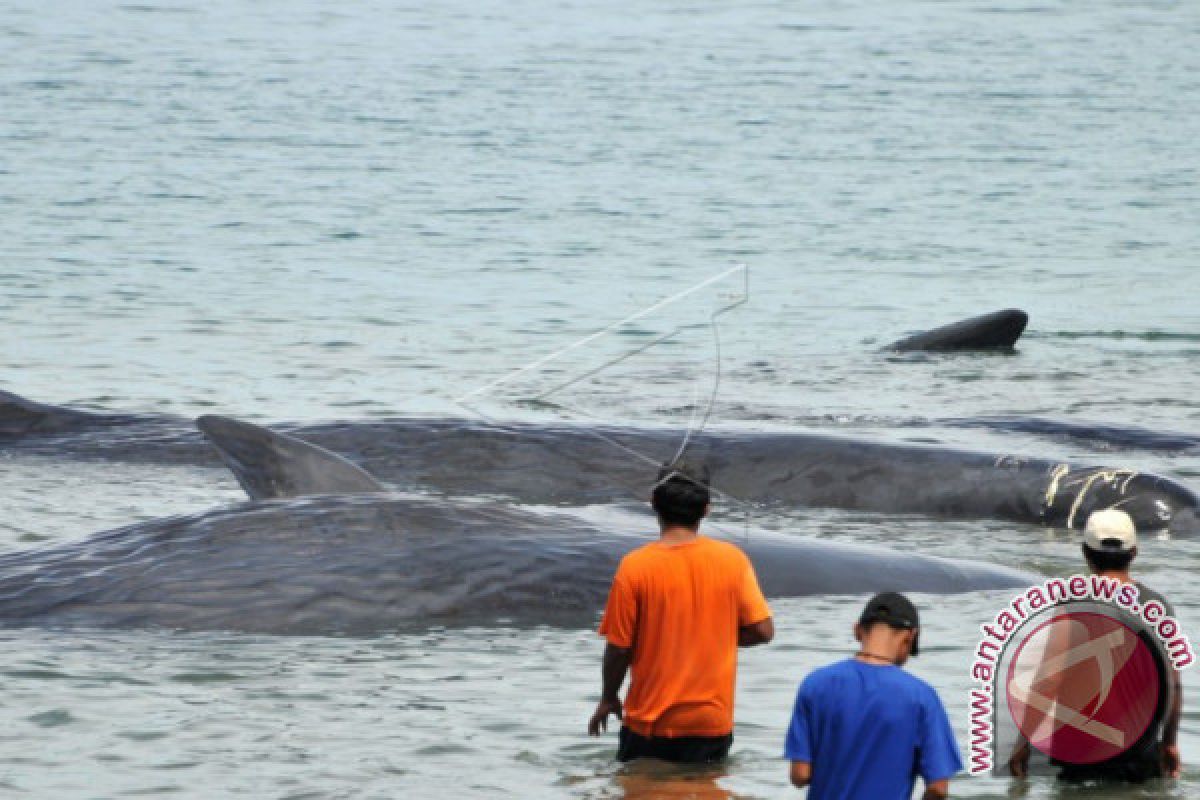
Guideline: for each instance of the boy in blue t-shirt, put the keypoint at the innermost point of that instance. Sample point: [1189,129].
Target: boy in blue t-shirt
[864,729]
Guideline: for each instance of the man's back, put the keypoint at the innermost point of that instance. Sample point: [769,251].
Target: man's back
[1143,760]
[679,607]
[868,731]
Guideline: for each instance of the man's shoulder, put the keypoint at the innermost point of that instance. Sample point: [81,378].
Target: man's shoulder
[637,557]
[904,680]
[729,560]
[648,556]
[920,687]
[654,551]
[895,678]
[724,549]
[820,678]
[920,693]
[1145,593]
[653,558]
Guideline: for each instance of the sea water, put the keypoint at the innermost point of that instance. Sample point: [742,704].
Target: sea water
[305,211]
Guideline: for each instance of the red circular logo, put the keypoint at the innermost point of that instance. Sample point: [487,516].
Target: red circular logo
[1082,687]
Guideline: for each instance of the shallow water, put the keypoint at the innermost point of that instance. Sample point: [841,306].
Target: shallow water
[291,212]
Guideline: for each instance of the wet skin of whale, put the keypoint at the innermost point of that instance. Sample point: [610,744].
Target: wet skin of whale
[571,465]
[545,464]
[371,563]
[998,330]
[367,561]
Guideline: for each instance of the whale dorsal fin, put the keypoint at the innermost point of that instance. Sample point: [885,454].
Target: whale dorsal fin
[270,465]
[996,331]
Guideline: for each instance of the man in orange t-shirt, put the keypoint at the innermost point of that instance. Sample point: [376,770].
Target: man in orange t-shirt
[677,612]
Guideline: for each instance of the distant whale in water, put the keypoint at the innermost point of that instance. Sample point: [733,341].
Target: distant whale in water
[374,561]
[19,416]
[996,331]
[573,465]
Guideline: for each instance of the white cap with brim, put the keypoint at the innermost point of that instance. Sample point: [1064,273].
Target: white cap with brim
[1110,531]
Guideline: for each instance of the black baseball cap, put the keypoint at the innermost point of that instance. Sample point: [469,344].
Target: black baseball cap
[893,609]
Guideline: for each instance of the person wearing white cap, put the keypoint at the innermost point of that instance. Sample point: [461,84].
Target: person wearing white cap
[1109,546]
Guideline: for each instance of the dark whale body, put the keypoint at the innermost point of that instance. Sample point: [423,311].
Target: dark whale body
[366,560]
[365,564]
[996,331]
[572,465]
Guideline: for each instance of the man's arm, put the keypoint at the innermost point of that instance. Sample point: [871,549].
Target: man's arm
[615,665]
[797,745]
[759,632]
[938,759]
[938,790]
[753,606]
[1170,748]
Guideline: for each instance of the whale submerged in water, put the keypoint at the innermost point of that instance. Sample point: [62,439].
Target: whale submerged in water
[573,465]
[998,330]
[18,416]
[301,561]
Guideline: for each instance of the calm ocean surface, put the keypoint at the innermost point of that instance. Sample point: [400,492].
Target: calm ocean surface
[302,211]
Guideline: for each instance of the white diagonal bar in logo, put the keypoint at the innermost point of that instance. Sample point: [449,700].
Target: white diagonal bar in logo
[1028,672]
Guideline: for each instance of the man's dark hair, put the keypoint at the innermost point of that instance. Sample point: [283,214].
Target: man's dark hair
[1107,561]
[681,494]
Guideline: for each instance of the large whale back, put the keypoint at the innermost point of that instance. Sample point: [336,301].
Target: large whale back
[372,563]
[826,567]
[572,465]
[569,465]
[360,560]
[326,565]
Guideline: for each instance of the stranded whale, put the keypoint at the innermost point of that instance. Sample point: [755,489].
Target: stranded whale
[362,564]
[573,465]
[375,561]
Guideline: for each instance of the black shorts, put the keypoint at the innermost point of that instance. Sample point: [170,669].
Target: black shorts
[1136,767]
[680,749]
